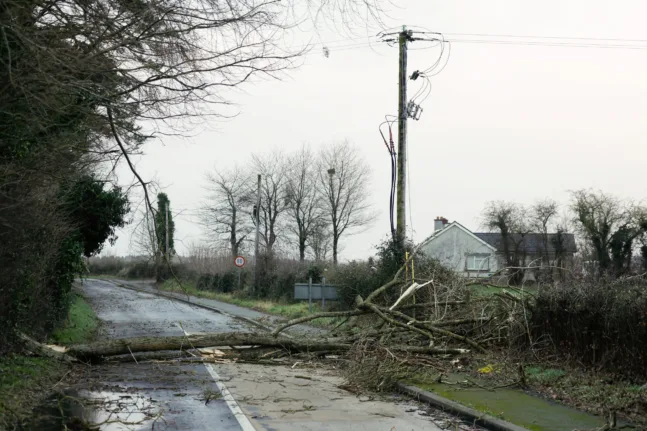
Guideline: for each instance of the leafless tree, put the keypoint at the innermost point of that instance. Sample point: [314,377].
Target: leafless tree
[320,240]
[226,213]
[304,200]
[144,239]
[343,180]
[542,219]
[510,220]
[274,197]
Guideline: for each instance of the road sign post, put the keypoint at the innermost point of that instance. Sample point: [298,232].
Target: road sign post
[239,261]
[310,295]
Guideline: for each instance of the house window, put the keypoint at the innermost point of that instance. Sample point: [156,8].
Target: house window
[478,263]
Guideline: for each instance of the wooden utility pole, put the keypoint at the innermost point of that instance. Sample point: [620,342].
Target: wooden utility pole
[258,218]
[166,250]
[401,227]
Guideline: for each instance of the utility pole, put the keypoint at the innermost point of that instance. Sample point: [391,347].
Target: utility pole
[401,227]
[258,218]
[166,250]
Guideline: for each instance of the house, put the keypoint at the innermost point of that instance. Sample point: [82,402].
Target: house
[476,254]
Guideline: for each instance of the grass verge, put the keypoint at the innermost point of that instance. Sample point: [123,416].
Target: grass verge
[590,391]
[285,310]
[80,326]
[26,380]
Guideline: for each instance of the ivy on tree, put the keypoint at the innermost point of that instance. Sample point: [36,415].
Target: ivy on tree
[163,204]
[95,212]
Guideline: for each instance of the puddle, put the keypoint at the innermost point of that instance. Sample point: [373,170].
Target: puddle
[515,406]
[85,410]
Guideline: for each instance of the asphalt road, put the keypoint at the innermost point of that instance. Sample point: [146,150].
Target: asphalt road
[126,313]
[146,396]
[227,308]
[167,396]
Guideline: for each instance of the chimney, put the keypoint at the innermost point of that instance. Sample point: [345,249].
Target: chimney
[440,223]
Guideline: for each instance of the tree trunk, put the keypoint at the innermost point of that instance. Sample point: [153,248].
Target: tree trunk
[232,236]
[302,248]
[335,243]
[152,344]
[334,251]
[141,347]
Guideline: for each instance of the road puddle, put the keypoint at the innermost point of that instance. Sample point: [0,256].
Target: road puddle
[105,411]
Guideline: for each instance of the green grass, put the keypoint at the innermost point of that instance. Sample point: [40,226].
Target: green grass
[80,326]
[281,309]
[544,376]
[23,382]
[26,380]
[593,392]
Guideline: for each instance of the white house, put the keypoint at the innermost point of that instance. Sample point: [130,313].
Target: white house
[457,248]
[482,254]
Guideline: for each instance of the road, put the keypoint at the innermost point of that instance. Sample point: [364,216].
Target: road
[163,395]
[127,313]
[226,308]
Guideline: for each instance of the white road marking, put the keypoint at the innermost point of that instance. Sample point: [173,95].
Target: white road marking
[243,421]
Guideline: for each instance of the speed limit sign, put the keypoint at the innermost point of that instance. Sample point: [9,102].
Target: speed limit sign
[239,261]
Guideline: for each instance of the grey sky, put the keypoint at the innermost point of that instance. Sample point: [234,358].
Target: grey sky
[503,122]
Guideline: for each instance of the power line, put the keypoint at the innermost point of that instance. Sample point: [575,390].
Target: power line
[500,38]
[514,36]
[547,43]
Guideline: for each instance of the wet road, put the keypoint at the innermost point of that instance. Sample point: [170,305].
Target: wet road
[158,395]
[126,313]
[231,309]
[161,395]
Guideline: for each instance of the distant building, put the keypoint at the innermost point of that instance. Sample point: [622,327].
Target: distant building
[477,254]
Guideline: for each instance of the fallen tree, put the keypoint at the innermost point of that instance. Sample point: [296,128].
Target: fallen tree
[100,350]
[446,321]
[95,351]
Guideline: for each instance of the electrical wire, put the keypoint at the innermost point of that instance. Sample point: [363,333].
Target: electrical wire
[550,44]
[391,149]
[409,197]
[562,38]
[449,54]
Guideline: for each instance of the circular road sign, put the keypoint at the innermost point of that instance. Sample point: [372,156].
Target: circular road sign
[239,261]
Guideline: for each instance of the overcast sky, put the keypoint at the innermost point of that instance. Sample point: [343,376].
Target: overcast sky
[503,122]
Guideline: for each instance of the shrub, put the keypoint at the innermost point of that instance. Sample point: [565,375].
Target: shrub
[601,324]
[352,279]
[106,265]
[224,283]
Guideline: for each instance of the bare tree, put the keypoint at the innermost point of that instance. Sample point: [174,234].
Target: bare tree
[226,213]
[320,240]
[542,217]
[510,220]
[304,200]
[144,238]
[343,181]
[274,199]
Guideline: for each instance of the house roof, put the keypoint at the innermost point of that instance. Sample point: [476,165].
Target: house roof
[531,243]
[458,226]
